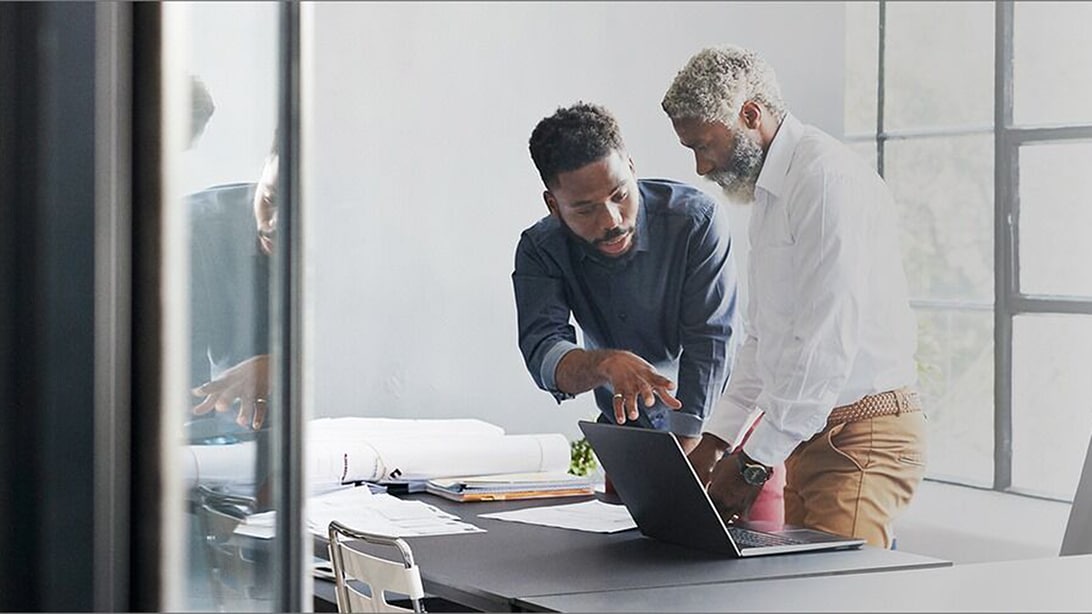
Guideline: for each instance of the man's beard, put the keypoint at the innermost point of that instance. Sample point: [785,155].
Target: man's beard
[738,181]
[593,245]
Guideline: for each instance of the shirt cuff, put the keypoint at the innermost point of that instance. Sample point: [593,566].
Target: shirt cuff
[686,425]
[770,446]
[549,368]
[728,421]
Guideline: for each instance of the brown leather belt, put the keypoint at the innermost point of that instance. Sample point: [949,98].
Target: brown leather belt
[890,403]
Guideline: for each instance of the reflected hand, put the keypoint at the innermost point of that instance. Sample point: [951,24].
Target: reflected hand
[730,494]
[247,382]
[635,381]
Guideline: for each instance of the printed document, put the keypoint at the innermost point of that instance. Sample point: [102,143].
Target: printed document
[592,516]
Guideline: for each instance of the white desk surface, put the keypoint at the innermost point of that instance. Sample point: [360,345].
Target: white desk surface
[1058,584]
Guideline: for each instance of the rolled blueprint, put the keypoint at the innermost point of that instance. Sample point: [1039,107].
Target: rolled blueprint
[341,450]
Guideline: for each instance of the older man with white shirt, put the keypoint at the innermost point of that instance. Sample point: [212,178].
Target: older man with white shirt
[827,361]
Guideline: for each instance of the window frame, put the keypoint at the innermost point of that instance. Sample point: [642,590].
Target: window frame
[1009,301]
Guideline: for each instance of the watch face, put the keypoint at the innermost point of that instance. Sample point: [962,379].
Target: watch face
[755,475]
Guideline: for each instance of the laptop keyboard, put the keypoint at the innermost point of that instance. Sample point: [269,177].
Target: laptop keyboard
[746,538]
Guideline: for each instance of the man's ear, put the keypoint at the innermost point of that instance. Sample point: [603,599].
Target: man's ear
[751,115]
[632,167]
[551,202]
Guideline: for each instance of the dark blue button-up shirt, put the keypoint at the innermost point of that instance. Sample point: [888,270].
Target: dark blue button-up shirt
[671,300]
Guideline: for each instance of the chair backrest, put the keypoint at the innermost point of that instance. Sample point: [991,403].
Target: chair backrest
[367,582]
[1078,531]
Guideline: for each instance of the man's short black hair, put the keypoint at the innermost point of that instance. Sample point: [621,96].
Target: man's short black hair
[572,138]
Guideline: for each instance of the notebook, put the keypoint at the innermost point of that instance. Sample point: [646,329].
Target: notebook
[668,502]
[510,486]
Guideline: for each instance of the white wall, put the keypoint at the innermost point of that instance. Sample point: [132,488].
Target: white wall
[419,182]
[243,84]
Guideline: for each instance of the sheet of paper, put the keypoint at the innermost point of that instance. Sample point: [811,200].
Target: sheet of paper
[381,513]
[592,516]
[360,509]
[260,526]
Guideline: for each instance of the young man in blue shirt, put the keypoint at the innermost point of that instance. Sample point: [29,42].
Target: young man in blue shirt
[643,265]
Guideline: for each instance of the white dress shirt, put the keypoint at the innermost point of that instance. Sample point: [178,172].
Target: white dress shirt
[828,319]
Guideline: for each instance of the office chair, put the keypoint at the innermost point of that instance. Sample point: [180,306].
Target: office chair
[1078,531]
[235,571]
[356,572]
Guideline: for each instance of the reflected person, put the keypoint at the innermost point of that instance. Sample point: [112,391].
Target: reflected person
[233,233]
[829,337]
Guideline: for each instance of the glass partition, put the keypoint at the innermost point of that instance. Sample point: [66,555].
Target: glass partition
[222,70]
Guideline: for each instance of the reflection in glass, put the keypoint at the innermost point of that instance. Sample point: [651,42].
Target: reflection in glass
[1055,219]
[939,64]
[862,56]
[1051,411]
[956,379]
[1052,59]
[229,58]
[943,188]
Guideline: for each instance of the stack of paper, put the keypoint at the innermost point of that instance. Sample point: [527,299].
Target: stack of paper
[511,486]
[381,513]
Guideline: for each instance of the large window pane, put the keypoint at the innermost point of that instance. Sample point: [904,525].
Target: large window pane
[944,190]
[1055,219]
[955,377]
[1052,410]
[1052,58]
[223,90]
[862,56]
[939,64]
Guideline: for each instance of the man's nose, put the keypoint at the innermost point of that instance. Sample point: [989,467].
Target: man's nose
[613,217]
[703,165]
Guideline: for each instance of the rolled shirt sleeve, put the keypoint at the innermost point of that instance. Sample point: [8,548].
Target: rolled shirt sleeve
[545,335]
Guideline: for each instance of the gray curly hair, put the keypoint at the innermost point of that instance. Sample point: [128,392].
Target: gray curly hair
[716,82]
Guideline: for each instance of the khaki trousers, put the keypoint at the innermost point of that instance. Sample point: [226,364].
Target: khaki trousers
[854,478]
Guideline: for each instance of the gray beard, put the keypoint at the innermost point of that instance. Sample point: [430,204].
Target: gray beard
[738,182]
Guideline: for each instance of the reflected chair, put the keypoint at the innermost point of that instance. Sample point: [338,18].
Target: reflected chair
[236,574]
[369,583]
[1078,531]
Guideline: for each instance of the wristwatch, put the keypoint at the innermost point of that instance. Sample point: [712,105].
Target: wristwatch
[753,473]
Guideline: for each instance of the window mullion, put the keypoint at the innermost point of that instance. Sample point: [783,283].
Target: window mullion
[1006,263]
[881,45]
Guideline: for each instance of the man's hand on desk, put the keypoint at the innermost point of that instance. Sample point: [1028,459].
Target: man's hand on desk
[248,382]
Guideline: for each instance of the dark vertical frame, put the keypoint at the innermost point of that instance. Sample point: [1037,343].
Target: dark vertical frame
[146,590]
[47,280]
[286,319]
[113,255]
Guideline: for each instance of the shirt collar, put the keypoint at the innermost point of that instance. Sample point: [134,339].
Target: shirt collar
[776,166]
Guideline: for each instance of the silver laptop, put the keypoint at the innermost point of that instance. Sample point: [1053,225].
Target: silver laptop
[668,502]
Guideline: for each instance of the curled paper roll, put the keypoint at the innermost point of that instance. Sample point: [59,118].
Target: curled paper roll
[343,450]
